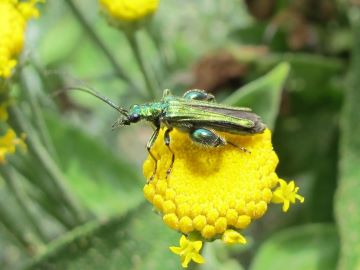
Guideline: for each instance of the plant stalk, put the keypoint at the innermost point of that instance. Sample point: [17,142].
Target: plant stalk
[106,51]
[20,196]
[38,151]
[149,82]
[11,226]
[38,116]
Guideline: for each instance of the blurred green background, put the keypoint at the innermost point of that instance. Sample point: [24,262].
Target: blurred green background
[75,201]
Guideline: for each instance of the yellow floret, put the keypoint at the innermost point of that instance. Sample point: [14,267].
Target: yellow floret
[188,251]
[286,194]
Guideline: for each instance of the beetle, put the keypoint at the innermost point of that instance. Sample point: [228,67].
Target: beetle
[196,113]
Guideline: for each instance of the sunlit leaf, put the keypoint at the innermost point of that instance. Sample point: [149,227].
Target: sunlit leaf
[263,95]
[105,183]
[310,247]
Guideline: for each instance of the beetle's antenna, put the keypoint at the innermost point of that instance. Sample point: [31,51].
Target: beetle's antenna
[98,95]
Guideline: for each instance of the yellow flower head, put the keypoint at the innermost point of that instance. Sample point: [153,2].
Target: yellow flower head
[13,18]
[212,192]
[9,142]
[127,14]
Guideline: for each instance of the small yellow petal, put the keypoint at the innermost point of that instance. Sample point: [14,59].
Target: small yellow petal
[233,237]
[198,258]
[291,186]
[286,205]
[197,245]
[176,250]
[300,198]
[186,260]
[183,241]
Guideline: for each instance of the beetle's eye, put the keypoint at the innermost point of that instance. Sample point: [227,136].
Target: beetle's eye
[134,117]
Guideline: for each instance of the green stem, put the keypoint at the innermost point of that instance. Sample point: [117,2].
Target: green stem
[12,227]
[37,116]
[97,40]
[160,72]
[20,196]
[58,214]
[38,151]
[158,42]
[134,44]
[44,193]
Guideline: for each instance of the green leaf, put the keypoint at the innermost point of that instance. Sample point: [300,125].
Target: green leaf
[348,199]
[310,247]
[139,240]
[104,182]
[263,95]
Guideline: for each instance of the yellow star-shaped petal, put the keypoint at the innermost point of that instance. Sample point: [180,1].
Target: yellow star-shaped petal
[286,193]
[188,250]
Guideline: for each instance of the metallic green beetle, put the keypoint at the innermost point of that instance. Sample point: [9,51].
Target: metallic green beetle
[196,113]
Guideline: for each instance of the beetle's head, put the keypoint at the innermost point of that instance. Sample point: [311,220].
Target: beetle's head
[135,114]
[128,117]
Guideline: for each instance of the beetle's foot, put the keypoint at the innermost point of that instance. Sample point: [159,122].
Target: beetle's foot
[240,147]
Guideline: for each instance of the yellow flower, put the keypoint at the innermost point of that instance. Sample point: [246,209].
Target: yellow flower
[128,13]
[13,18]
[214,192]
[188,250]
[9,142]
[286,194]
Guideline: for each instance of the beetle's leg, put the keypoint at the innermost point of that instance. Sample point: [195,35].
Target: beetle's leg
[148,147]
[206,137]
[240,147]
[209,138]
[167,143]
[166,93]
[198,94]
[116,124]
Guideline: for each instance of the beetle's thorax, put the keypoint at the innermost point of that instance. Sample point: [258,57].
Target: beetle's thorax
[148,111]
